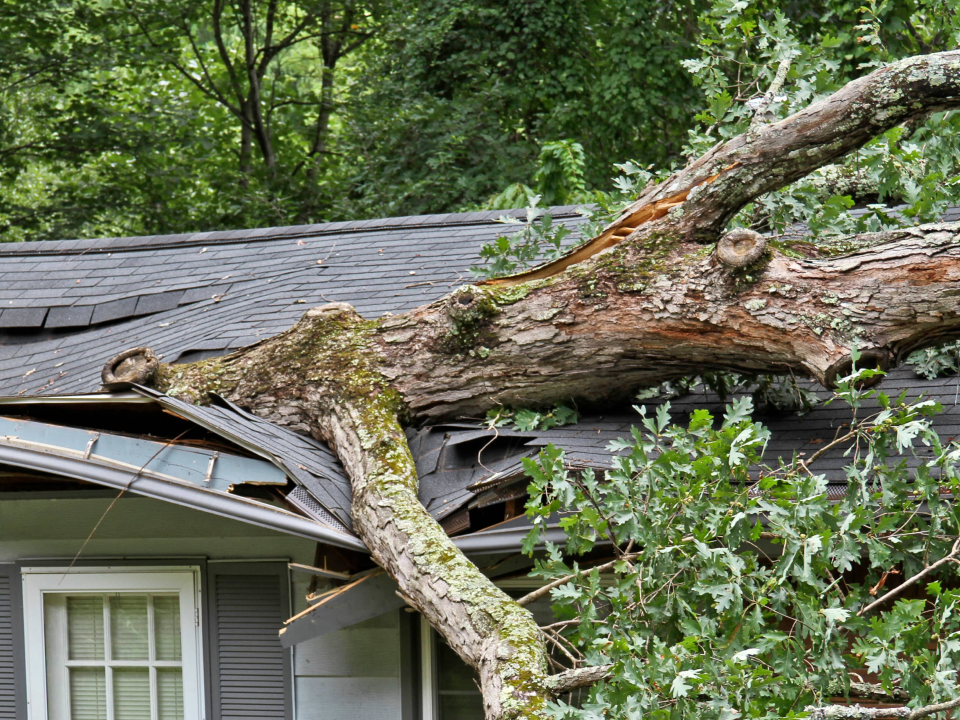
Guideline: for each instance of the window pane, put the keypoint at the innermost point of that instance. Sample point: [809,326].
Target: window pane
[128,627]
[459,697]
[169,694]
[166,630]
[452,672]
[131,694]
[88,694]
[85,627]
[461,707]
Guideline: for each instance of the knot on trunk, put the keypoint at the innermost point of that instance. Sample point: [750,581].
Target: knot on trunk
[330,311]
[136,365]
[741,247]
[468,309]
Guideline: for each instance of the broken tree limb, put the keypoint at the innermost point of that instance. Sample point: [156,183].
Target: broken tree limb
[949,557]
[639,304]
[859,712]
[709,191]
[345,401]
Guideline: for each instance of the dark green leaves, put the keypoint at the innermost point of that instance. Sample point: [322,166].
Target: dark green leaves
[742,588]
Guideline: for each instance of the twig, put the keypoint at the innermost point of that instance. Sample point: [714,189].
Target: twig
[775,87]
[541,591]
[951,557]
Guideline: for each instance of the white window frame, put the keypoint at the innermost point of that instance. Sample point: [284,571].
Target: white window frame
[38,581]
[428,670]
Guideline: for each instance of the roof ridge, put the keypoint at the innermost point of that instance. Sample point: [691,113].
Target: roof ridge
[228,237]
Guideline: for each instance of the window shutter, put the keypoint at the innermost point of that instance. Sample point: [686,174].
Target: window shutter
[251,671]
[12,688]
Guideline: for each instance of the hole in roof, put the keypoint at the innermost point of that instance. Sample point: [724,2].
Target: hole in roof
[190,356]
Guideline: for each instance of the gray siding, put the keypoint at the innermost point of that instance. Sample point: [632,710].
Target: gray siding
[353,673]
[250,670]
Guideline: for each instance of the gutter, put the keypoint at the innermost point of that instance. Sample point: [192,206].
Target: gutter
[217,503]
[489,541]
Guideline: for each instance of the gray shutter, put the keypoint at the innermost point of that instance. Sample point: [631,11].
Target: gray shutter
[12,687]
[250,670]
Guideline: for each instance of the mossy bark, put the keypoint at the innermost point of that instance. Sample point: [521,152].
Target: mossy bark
[651,304]
[322,375]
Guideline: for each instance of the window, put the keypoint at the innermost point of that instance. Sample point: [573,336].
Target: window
[450,690]
[449,687]
[112,645]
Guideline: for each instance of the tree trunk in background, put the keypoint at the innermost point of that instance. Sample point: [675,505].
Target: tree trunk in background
[323,124]
[653,297]
[246,147]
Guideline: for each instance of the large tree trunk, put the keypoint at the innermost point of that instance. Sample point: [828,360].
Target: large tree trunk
[645,301]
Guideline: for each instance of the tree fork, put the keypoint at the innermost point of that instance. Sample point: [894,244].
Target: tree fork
[332,386]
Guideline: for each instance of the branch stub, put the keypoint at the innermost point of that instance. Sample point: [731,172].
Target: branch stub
[741,247]
[136,365]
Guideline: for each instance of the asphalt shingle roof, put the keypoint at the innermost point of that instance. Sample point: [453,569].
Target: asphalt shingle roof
[68,306]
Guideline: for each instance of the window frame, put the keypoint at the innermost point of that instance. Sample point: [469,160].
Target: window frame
[185,581]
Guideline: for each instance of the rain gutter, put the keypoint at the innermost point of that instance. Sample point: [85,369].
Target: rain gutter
[211,501]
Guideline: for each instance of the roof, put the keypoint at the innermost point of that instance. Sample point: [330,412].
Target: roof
[464,466]
[68,306]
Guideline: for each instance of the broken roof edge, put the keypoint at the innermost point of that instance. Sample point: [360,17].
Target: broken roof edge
[228,506]
[242,509]
[226,237]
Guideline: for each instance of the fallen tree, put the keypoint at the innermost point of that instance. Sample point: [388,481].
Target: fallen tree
[661,293]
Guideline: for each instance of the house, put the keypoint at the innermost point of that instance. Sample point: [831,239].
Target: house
[161,560]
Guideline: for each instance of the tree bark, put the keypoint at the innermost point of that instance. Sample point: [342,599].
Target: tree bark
[645,301]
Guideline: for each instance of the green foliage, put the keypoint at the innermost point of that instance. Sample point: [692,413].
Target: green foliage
[782,393]
[741,588]
[141,117]
[132,118]
[525,419]
[557,181]
[936,361]
[559,178]
[538,239]
[462,97]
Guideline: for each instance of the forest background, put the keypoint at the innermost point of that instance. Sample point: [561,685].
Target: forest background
[133,117]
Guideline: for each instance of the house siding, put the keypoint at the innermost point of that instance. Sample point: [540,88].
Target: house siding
[352,673]
[356,673]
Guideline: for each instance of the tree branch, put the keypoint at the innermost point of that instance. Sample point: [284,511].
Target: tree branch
[576,678]
[225,58]
[541,591]
[707,193]
[212,92]
[858,712]
[950,557]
